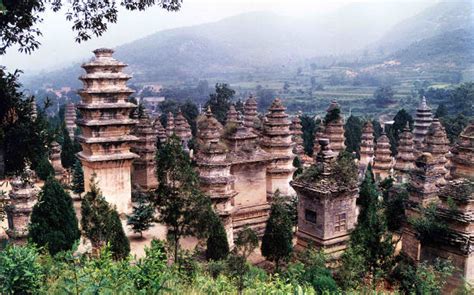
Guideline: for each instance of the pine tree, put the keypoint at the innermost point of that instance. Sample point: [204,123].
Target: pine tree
[180,203]
[101,223]
[393,131]
[143,214]
[78,178]
[217,244]
[53,220]
[277,240]
[220,101]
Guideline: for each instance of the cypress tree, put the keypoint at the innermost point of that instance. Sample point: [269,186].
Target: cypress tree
[371,233]
[44,169]
[101,223]
[53,220]
[353,134]
[119,243]
[68,153]
[143,214]
[78,178]
[277,239]
[217,244]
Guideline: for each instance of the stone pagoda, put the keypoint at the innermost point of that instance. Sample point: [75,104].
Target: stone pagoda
[277,141]
[327,209]
[297,138]
[383,160]
[182,130]
[106,128]
[55,157]
[249,167]
[334,128]
[437,144]
[456,211]
[233,117]
[405,159]
[169,124]
[160,131]
[22,198]
[319,134]
[251,114]
[463,154]
[70,119]
[423,119]
[214,170]
[422,191]
[144,168]
[367,145]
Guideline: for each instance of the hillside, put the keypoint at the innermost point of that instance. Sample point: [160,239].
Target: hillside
[443,17]
[453,47]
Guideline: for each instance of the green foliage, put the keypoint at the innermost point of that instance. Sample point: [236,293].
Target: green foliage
[353,269]
[377,129]
[53,220]
[429,226]
[19,25]
[425,278]
[217,244]
[180,203]
[393,131]
[68,152]
[441,111]
[371,233]
[353,134]
[299,167]
[101,223]
[315,273]
[77,178]
[220,101]
[20,270]
[332,115]
[384,96]
[23,139]
[277,241]
[394,201]
[150,275]
[308,126]
[454,126]
[44,169]
[143,214]
[118,241]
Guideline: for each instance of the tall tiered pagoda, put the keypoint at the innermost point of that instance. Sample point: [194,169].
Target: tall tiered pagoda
[70,119]
[463,154]
[383,160]
[277,141]
[334,128]
[423,119]
[106,128]
[367,144]
[405,159]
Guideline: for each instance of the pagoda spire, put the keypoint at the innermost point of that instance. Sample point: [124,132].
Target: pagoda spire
[250,113]
[383,160]
[70,119]
[462,161]
[170,124]
[437,144]
[367,144]
[160,131]
[296,127]
[334,127]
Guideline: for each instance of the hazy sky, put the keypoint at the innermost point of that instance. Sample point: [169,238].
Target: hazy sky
[58,47]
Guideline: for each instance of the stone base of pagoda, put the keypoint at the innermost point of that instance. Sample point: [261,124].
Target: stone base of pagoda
[334,247]
[113,179]
[254,217]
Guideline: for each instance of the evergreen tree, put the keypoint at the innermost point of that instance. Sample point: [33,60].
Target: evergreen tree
[371,233]
[441,111]
[143,214]
[308,126]
[299,167]
[180,203]
[220,101]
[377,129]
[384,96]
[68,150]
[277,240]
[118,241]
[101,223]
[78,178]
[53,220]
[393,131]
[353,134]
[44,169]
[217,244]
